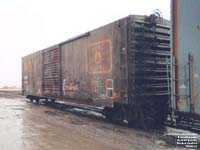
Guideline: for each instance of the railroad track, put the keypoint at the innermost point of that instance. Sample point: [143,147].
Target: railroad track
[79,109]
[96,112]
[189,125]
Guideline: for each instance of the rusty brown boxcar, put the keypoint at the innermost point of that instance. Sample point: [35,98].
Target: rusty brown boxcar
[122,67]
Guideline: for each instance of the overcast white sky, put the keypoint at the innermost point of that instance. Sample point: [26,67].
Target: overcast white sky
[30,25]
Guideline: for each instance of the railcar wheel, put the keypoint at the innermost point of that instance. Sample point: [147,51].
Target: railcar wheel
[37,101]
[53,100]
[118,115]
[30,98]
[107,112]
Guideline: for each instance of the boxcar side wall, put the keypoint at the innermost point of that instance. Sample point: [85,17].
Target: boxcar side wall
[186,44]
[32,75]
[90,65]
[119,66]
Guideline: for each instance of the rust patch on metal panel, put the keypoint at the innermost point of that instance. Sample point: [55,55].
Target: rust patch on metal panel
[32,77]
[181,104]
[99,57]
[70,88]
[51,72]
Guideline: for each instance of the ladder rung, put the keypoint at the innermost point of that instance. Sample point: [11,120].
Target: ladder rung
[181,95]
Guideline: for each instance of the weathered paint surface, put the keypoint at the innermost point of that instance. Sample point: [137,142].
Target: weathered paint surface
[91,63]
[51,72]
[99,57]
[186,41]
[32,74]
[124,62]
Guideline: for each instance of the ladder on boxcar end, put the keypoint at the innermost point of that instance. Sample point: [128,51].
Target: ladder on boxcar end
[123,75]
[185,83]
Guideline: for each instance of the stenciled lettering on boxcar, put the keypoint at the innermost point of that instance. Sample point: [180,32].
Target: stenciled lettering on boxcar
[97,86]
[99,57]
[70,87]
[99,67]
[90,82]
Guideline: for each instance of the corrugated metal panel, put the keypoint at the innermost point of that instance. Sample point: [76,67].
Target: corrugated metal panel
[148,54]
[151,68]
[51,72]
[186,43]
[32,74]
